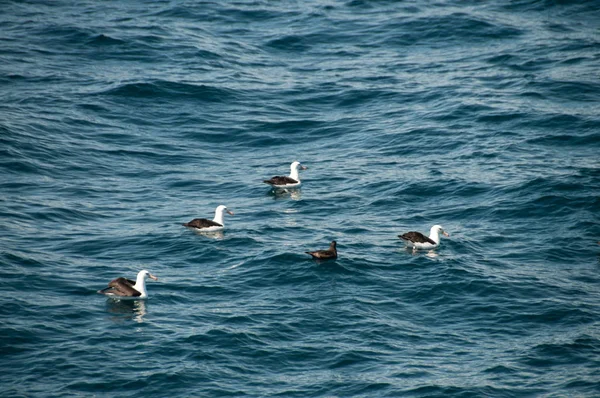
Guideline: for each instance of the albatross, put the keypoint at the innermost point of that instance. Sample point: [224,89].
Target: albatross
[417,240]
[330,253]
[293,181]
[123,288]
[205,225]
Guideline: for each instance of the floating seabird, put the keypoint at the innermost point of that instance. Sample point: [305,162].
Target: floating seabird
[330,253]
[205,225]
[293,181]
[123,288]
[417,240]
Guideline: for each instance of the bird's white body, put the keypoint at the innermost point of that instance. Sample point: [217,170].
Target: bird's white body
[140,283]
[286,186]
[294,171]
[219,212]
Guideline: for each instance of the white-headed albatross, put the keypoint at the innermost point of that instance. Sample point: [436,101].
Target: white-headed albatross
[126,289]
[205,225]
[417,240]
[293,181]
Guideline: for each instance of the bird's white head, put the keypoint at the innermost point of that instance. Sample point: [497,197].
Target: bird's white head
[145,273]
[438,229]
[140,283]
[296,165]
[219,214]
[223,209]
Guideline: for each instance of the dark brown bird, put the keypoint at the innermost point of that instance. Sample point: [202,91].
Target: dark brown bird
[330,253]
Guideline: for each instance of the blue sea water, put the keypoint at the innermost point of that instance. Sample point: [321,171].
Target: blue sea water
[120,120]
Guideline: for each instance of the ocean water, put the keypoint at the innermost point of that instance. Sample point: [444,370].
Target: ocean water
[120,120]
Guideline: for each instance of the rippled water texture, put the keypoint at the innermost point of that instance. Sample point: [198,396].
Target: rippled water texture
[120,120]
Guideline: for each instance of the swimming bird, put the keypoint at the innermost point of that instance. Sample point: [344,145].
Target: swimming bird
[205,225]
[330,253]
[417,240]
[293,181]
[123,288]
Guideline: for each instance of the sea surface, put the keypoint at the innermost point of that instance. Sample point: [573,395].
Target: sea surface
[121,120]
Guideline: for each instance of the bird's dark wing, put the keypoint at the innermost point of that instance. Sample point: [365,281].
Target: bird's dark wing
[123,287]
[280,180]
[416,237]
[201,223]
[323,254]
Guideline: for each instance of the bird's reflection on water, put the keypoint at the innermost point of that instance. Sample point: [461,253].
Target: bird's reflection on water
[295,194]
[122,310]
[217,235]
[416,252]
[432,254]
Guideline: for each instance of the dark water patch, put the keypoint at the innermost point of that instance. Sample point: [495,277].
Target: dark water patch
[292,43]
[464,111]
[20,260]
[287,128]
[16,340]
[501,370]
[503,59]
[582,91]
[64,36]
[575,140]
[178,12]
[15,77]
[207,55]
[547,355]
[104,40]
[20,167]
[433,139]
[501,117]
[589,386]
[575,61]
[258,14]
[351,98]
[100,109]
[414,191]
[436,390]
[171,91]
[562,7]
[436,30]
[560,316]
